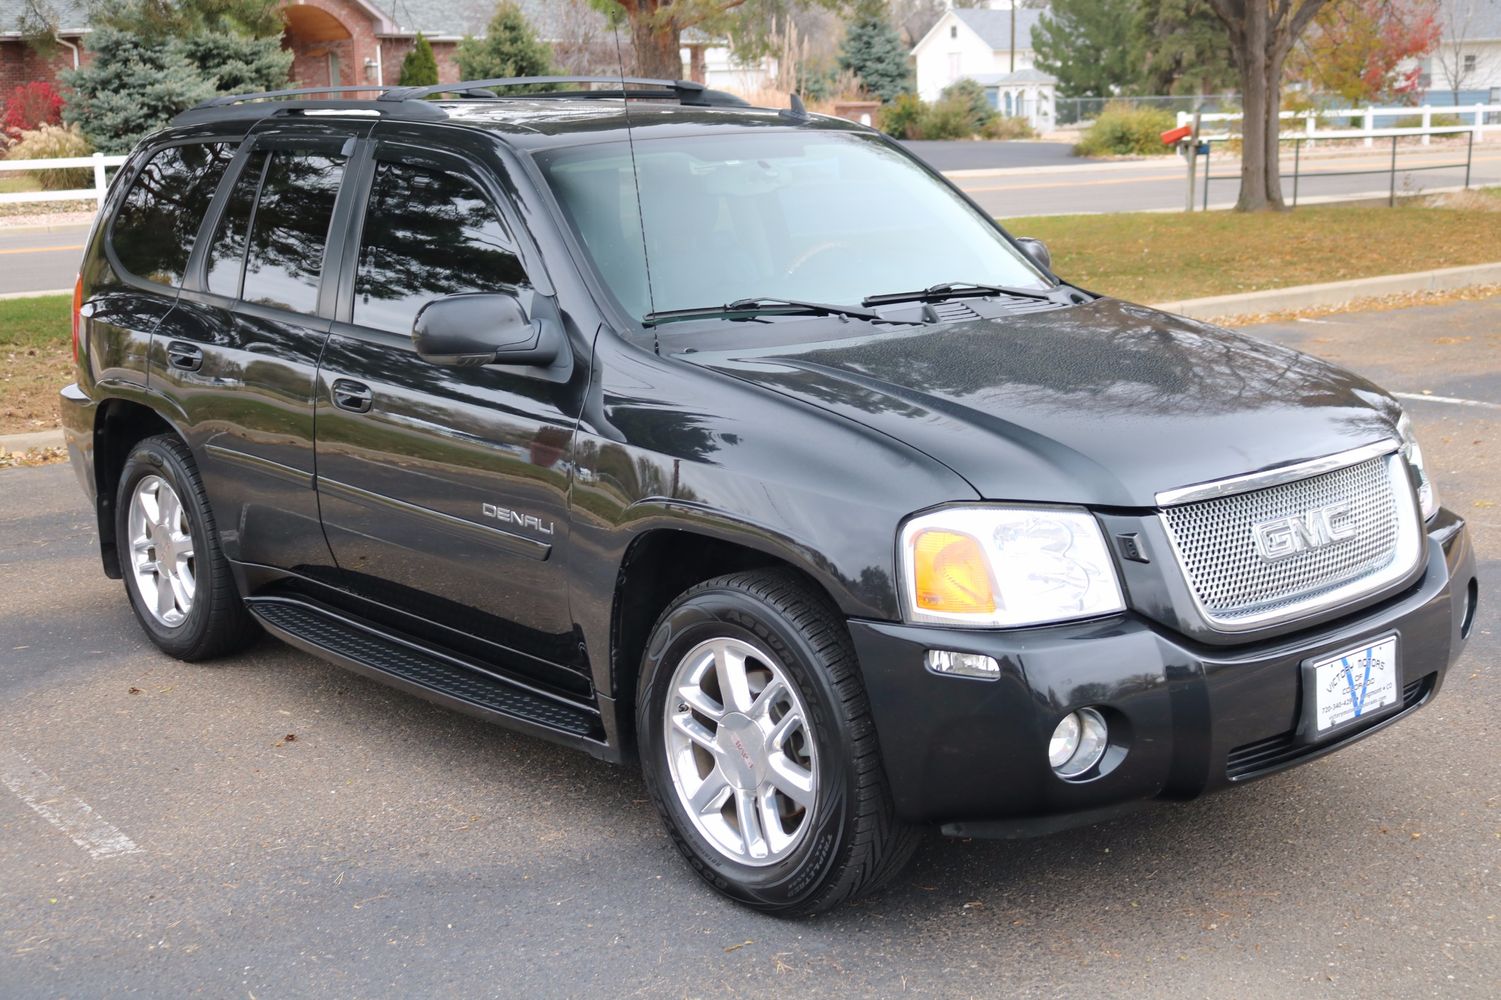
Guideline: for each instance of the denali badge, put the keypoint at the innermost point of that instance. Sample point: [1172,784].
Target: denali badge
[1287,536]
[509,516]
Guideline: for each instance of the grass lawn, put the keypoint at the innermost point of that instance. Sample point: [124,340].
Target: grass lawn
[1162,257]
[36,360]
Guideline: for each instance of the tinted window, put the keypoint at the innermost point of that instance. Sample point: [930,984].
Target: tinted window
[154,231]
[427,233]
[226,255]
[289,229]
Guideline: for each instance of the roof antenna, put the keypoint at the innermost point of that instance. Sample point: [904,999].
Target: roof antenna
[796,111]
[625,103]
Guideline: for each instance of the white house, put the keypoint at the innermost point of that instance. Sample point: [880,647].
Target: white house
[992,46]
[1468,59]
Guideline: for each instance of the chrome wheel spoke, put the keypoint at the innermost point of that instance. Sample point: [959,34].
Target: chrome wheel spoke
[748,816]
[791,779]
[785,727]
[698,699]
[166,599]
[710,795]
[696,731]
[734,683]
[767,699]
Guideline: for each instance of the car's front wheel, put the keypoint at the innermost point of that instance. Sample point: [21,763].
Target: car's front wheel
[179,582]
[758,749]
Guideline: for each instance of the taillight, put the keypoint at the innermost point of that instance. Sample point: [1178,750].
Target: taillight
[77,309]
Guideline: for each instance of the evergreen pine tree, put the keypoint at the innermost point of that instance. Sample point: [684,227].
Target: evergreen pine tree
[873,51]
[420,67]
[509,48]
[130,87]
[1084,43]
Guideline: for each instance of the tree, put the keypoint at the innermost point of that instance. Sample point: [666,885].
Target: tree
[873,51]
[1179,47]
[166,18]
[1080,43]
[1262,33]
[420,67]
[509,48]
[135,83]
[1367,50]
[656,26]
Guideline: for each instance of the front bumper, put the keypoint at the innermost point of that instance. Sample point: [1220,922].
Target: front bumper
[972,754]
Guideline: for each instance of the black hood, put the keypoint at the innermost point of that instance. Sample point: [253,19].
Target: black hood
[1105,403]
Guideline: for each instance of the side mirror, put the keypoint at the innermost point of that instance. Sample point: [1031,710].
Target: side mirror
[485,328]
[1038,251]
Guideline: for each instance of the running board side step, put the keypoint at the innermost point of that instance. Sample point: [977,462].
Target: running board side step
[438,677]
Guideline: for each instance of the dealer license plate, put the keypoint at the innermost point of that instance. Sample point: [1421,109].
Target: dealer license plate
[1355,684]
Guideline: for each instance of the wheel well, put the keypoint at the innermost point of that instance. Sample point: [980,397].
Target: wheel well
[119,426]
[658,567]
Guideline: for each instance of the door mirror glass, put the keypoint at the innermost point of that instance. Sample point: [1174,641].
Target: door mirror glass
[483,328]
[1038,251]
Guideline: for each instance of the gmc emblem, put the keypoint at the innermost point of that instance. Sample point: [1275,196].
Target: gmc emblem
[1287,536]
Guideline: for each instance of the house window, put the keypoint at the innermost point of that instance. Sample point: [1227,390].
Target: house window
[1470,63]
[953,31]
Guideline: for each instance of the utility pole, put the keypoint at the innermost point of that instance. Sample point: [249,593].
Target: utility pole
[1013,35]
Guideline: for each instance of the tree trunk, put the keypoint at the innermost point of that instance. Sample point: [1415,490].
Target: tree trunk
[1254,128]
[658,45]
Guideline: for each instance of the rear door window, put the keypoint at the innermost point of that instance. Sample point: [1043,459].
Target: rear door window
[225,262]
[289,229]
[154,231]
[428,233]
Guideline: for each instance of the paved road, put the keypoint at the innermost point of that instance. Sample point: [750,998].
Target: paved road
[40,260]
[967,154]
[394,849]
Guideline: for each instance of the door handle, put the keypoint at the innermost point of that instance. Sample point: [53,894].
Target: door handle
[351,395]
[183,356]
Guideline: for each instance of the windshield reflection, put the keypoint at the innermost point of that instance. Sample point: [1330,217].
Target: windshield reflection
[825,216]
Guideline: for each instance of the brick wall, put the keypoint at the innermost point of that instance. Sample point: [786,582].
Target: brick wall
[20,63]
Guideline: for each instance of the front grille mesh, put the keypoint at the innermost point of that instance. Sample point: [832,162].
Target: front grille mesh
[1216,542]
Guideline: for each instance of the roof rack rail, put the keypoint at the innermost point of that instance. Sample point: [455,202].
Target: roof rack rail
[224,100]
[687,92]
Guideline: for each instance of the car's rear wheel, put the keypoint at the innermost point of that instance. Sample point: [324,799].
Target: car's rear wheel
[178,580]
[758,749]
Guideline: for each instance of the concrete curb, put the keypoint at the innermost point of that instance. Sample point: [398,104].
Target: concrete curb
[35,295]
[26,442]
[1335,293]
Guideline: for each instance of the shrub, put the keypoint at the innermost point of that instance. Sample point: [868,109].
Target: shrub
[897,118]
[420,67]
[1434,121]
[1123,130]
[510,48]
[31,106]
[51,142]
[943,120]
[1008,127]
[972,96]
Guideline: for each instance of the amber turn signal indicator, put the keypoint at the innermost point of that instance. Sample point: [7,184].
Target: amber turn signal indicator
[951,573]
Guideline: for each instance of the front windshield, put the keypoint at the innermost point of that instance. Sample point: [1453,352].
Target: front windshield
[823,216]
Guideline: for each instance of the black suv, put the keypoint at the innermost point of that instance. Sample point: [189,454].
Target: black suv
[738,441]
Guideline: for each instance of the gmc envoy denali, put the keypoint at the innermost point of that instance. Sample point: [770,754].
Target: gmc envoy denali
[739,442]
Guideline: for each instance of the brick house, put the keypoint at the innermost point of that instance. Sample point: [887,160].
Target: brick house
[333,41]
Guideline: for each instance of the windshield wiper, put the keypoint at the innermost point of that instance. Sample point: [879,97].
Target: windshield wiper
[955,290]
[759,307]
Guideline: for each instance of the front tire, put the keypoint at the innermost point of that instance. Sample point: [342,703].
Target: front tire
[758,748]
[178,580]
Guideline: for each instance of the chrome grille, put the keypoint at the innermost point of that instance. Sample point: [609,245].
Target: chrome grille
[1238,589]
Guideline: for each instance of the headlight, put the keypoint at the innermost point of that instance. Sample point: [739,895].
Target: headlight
[1413,452]
[1001,567]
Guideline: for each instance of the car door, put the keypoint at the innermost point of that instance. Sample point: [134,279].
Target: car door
[443,488]
[239,355]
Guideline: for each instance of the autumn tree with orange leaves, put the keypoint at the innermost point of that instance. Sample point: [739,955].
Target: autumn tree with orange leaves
[1367,51]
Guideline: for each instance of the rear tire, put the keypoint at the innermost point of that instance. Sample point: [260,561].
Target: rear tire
[179,582]
[787,740]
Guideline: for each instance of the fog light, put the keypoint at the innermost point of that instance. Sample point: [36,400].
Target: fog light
[948,661]
[1078,743]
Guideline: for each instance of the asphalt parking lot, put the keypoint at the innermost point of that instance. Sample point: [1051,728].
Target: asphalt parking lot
[271,826]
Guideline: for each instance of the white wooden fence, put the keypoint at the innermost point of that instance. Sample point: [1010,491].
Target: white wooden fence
[1477,114]
[98,162]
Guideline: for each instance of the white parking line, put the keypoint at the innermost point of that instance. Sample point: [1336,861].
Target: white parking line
[1447,399]
[68,813]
